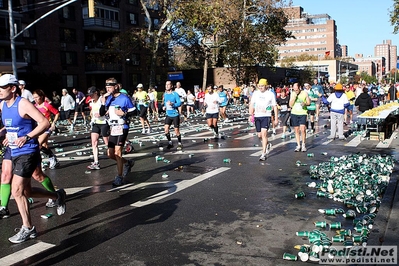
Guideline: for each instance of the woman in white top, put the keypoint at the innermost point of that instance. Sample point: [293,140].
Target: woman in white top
[211,102]
[99,126]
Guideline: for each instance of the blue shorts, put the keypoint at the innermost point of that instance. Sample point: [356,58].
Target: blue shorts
[297,120]
[350,107]
[262,122]
[7,154]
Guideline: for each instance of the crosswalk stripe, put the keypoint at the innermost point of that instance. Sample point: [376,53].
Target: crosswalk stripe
[25,253]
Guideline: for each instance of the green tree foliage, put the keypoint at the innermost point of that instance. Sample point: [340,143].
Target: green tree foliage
[256,28]
[234,33]
[366,77]
[198,28]
[151,37]
[394,16]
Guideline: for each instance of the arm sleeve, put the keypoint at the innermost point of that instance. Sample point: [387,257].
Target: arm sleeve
[177,100]
[324,100]
[51,108]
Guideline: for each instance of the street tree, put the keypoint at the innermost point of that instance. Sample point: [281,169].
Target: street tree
[198,29]
[151,38]
[394,16]
[255,31]
[238,34]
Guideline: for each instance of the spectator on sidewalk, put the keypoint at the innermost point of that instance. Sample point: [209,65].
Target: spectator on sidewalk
[338,102]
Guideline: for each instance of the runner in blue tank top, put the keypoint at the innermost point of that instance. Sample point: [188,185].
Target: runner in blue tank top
[19,116]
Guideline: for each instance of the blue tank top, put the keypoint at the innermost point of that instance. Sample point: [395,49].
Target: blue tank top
[17,126]
[223,97]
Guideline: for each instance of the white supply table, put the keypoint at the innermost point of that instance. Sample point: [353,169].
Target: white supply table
[368,121]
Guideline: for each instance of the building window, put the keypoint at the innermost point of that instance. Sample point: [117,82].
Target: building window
[67,35]
[70,81]
[69,58]
[132,19]
[30,56]
[107,14]
[68,12]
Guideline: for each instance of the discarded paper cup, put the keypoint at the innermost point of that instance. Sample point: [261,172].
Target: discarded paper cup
[322,224]
[46,216]
[289,256]
[335,225]
[300,195]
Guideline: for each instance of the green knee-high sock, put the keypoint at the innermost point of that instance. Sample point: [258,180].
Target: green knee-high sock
[5,194]
[47,184]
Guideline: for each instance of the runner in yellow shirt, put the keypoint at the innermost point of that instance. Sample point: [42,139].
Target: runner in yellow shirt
[236,95]
[349,110]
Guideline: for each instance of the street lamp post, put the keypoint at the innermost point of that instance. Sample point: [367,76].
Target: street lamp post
[318,68]
[14,35]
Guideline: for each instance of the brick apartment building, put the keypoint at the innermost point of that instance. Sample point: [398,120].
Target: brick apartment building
[314,35]
[65,48]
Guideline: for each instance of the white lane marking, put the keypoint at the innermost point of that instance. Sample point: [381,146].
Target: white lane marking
[251,135]
[105,188]
[178,187]
[212,149]
[207,131]
[25,253]
[127,187]
[258,153]
[354,142]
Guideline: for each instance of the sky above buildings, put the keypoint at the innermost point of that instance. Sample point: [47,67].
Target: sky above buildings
[361,24]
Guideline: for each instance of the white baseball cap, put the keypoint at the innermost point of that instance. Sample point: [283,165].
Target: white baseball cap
[8,79]
[140,85]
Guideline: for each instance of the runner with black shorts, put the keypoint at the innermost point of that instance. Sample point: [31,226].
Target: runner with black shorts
[171,106]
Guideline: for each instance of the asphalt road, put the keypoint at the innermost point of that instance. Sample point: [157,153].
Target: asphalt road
[205,212]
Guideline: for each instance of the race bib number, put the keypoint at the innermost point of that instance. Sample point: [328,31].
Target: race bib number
[12,137]
[116,130]
[284,108]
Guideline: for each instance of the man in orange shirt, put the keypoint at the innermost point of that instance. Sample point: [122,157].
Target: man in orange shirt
[236,94]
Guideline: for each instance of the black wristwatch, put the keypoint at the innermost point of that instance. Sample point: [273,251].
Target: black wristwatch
[27,138]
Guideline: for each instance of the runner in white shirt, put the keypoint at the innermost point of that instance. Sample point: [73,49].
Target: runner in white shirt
[190,103]
[100,126]
[262,103]
[211,102]
[182,94]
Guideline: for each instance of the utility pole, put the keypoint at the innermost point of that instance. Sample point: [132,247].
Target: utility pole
[12,39]
[13,35]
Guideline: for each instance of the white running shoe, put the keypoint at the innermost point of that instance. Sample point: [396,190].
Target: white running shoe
[54,163]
